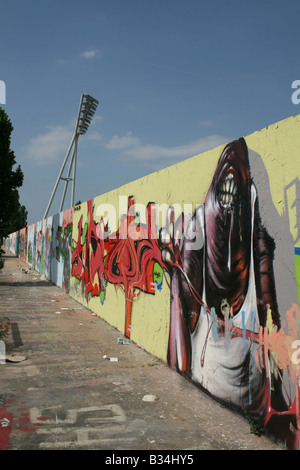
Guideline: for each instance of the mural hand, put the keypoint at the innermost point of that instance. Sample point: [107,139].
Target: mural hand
[171,238]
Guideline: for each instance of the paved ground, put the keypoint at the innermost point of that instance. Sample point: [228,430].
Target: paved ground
[66,395]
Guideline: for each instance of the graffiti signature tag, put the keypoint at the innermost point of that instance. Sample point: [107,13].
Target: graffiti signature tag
[4,422]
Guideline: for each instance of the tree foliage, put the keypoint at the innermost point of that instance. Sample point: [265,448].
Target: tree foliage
[13,216]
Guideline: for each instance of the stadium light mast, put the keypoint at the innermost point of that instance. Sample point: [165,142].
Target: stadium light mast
[87,108]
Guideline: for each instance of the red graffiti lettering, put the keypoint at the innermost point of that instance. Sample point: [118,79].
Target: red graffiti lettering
[125,258]
[5,428]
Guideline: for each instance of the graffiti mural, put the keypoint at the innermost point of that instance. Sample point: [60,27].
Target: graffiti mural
[12,243]
[31,245]
[129,258]
[291,203]
[134,261]
[88,257]
[225,327]
[206,277]
[61,249]
[22,250]
[46,247]
[39,244]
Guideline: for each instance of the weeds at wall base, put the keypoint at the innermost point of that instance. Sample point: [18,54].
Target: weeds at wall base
[254,426]
[4,327]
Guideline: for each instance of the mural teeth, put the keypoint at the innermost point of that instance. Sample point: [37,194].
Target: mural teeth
[227,185]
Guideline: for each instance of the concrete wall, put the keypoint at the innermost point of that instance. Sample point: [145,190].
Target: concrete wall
[220,302]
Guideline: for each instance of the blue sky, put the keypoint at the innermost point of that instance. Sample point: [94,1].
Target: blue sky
[173,78]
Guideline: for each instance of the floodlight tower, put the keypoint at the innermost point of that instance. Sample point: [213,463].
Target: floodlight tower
[87,108]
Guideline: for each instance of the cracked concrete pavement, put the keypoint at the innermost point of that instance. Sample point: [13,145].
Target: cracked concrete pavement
[63,392]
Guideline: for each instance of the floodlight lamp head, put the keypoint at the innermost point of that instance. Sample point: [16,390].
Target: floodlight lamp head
[87,113]
[90,98]
[87,110]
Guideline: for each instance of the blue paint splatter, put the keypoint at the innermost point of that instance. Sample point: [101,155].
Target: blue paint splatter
[244,330]
[214,323]
[252,329]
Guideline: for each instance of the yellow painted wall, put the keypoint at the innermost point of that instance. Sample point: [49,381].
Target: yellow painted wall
[276,171]
[187,183]
[279,146]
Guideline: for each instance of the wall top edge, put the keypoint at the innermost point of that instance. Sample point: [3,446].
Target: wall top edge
[123,188]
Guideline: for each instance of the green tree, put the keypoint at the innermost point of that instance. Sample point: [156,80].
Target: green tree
[13,216]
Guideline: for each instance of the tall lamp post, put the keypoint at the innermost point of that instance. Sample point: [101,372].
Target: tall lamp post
[87,108]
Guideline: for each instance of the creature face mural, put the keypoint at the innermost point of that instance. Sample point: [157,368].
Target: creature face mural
[223,297]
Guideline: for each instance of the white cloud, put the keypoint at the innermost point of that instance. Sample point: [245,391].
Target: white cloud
[119,143]
[90,54]
[133,149]
[206,123]
[95,119]
[92,136]
[51,146]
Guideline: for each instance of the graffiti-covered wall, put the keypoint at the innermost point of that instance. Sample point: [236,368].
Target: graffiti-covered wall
[200,265]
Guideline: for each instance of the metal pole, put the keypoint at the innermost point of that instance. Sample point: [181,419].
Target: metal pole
[74,161]
[59,176]
[67,179]
[85,113]
[79,109]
